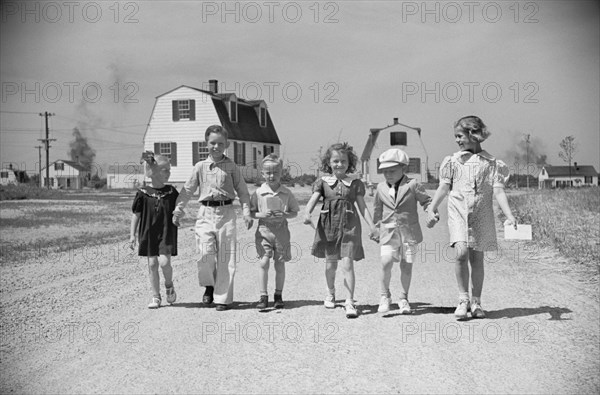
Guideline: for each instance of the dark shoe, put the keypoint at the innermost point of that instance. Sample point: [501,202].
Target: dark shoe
[208,295]
[278,303]
[263,302]
[222,307]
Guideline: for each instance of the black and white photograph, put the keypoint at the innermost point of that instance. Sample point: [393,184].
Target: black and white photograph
[299,197]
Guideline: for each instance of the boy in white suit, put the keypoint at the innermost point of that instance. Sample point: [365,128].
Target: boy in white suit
[396,215]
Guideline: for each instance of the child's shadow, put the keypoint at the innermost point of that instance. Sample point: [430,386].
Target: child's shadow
[513,312]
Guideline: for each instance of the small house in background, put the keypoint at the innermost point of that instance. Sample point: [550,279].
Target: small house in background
[181,116]
[565,176]
[129,176]
[66,174]
[397,135]
[7,175]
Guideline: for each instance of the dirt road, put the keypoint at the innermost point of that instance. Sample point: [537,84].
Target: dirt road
[77,322]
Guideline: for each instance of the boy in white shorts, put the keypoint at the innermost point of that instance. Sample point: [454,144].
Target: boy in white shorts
[395,213]
[272,204]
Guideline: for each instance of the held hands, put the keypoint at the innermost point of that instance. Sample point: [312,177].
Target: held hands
[432,218]
[374,234]
[177,216]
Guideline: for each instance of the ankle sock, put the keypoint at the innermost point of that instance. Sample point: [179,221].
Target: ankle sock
[463,296]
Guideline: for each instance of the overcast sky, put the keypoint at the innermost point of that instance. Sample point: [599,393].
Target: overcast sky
[327,70]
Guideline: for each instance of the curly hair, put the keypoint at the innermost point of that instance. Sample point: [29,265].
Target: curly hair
[344,148]
[474,127]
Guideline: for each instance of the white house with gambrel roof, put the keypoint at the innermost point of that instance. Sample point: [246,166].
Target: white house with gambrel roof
[181,116]
[397,135]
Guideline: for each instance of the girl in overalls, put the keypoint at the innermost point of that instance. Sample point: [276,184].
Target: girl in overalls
[338,232]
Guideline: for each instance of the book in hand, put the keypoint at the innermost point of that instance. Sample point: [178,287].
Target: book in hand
[523,232]
[274,204]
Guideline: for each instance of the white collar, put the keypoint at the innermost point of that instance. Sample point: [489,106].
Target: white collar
[331,180]
[265,189]
[464,156]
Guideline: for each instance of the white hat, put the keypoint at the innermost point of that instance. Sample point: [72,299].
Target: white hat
[392,157]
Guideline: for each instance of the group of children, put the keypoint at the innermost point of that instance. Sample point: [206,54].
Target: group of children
[470,177]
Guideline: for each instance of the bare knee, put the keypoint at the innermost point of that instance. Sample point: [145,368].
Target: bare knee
[347,265]
[265,262]
[387,262]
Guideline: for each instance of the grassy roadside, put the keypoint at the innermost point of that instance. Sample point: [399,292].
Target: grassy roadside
[567,219]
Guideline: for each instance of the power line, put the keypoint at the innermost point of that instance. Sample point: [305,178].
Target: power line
[18,112]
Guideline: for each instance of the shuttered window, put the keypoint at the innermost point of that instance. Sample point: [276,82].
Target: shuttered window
[254,157]
[199,151]
[184,109]
[239,153]
[59,166]
[167,149]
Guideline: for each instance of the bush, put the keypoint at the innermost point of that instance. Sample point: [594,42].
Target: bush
[28,191]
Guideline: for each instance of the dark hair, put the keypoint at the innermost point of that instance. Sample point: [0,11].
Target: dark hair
[216,129]
[344,148]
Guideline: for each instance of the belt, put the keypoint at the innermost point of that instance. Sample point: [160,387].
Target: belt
[215,203]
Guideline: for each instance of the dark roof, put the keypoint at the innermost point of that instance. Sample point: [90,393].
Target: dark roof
[563,171]
[247,127]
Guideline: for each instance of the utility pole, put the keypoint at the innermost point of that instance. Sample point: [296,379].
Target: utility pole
[527,137]
[39,148]
[47,141]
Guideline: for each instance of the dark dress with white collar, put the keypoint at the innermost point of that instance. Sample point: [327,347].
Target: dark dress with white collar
[338,231]
[157,235]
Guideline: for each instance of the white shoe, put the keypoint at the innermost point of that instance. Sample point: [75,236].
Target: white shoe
[384,304]
[461,310]
[404,307]
[155,304]
[476,310]
[329,302]
[351,311]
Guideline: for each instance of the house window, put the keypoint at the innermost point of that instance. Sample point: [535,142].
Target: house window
[184,109]
[268,149]
[588,180]
[59,166]
[167,149]
[199,151]
[4,174]
[263,117]
[239,153]
[398,138]
[414,165]
[233,113]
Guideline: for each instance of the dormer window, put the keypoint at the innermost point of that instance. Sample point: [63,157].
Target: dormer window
[233,110]
[263,117]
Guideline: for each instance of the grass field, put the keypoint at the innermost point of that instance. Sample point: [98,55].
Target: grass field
[567,219]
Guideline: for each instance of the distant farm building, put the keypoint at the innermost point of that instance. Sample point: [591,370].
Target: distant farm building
[400,136]
[66,174]
[565,176]
[181,116]
[130,175]
[7,176]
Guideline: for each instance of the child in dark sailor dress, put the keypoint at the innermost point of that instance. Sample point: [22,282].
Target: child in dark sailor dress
[152,226]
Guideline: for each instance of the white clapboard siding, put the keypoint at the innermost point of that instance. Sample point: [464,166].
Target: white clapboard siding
[162,128]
